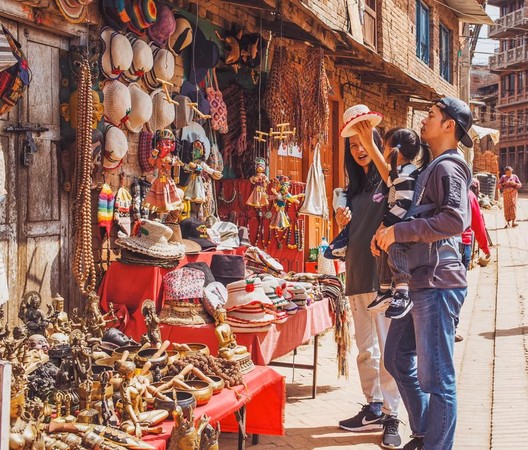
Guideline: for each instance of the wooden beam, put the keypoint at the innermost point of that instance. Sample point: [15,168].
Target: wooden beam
[255,4]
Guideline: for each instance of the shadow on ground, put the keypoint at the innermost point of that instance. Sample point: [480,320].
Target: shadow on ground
[502,333]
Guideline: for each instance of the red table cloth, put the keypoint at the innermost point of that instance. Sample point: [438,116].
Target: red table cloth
[266,346]
[264,399]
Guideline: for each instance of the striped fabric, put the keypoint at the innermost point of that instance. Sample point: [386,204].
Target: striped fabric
[401,191]
[7,59]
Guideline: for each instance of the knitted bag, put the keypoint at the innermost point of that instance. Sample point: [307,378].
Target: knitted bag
[218,106]
[144,150]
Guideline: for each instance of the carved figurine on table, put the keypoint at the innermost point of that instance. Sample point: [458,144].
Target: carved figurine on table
[35,320]
[195,190]
[259,196]
[25,431]
[82,357]
[163,195]
[283,196]
[227,344]
[184,435]
[94,320]
[134,390]
[152,322]
[13,347]
[60,320]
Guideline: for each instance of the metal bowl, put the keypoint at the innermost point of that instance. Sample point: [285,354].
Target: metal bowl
[146,355]
[218,384]
[132,350]
[195,348]
[201,390]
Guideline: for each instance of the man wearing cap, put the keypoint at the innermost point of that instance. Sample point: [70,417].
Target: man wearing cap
[419,349]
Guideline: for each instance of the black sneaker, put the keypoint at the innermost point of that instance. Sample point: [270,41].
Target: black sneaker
[401,304]
[381,302]
[391,437]
[365,420]
[415,443]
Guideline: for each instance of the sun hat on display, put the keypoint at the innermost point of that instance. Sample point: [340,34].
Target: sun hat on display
[182,35]
[162,111]
[117,103]
[163,67]
[205,55]
[165,25]
[73,10]
[117,53]
[191,247]
[152,239]
[196,230]
[228,233]
[142,61]
[141,108]
[184,113]
[115,147]
[228,268]
[358,113]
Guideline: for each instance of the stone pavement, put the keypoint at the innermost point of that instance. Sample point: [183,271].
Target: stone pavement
[491,362]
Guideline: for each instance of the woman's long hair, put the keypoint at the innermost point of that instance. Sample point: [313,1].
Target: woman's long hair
[358,180]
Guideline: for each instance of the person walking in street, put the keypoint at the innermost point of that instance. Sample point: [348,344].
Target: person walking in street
[366,206]
[419,349]
[510,184]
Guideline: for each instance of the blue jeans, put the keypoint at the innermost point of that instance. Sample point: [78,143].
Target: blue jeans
[419,355]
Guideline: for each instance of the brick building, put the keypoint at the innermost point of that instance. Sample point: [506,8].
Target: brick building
[511,64]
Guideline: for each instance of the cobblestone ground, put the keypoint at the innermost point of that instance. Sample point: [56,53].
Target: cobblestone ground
[492,365]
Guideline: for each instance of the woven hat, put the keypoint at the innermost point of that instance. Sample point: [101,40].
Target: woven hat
[228,268]
[191,247]
[152,239]
[182,35]
[73,10]
[114,13]
[165,25]
[163,67]
[195,132]
[142,14]
[142,61]
[261,257]
[273,289]
[141,108]
[202,267]
[358,113]
[196,230]
[215,296]
[245,292]
[117,53]
[162,111]
[184,113]
[117,103]
[228,232]
[115,147]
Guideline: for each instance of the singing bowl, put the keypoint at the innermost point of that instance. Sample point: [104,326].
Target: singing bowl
[185,400]
[146,355]
[132,350]
[201,390]
[195,348]
[217,385]
[107,362]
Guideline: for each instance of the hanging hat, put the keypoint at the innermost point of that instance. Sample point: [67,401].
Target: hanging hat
[117,103]
[114,13]
[184,113]
[205,55]
[162,111]
[182,35]
[228,232]
[358,113]
[165,25]
[195,132]
[115,148]
[232,48]
[215,296]
[142,14]
[105,209]
[228,268]
[152,239]
[163,67]
[73,10]
[117,53]
[197,96]
[142,61]
[195,230]
[141,108]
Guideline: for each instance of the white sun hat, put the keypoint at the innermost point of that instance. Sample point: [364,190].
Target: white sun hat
[162,111]
[115,148]
[142,61]
[163,67]
[358,113]
[117,53]
[141,108]
[117,103]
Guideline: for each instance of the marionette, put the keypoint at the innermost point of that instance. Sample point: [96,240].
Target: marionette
[195,190]
[163,195]
[259,197]
[283,196]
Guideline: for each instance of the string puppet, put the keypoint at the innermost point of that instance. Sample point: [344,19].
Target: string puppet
[259,197]
[280,220]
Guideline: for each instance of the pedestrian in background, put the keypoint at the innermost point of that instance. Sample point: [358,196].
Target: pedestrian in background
[510,184]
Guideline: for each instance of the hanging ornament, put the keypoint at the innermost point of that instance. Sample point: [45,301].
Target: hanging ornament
[122,207]
[105,210]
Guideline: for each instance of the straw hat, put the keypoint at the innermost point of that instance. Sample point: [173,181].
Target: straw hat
[153,240]
[117,53]
[164,26]
[191,247]
[358,113]
[184,113]
[182,35]
[115,148]
[141,109]
[162,111]
[163,67]
[73,10]
[142,61]
[117,103]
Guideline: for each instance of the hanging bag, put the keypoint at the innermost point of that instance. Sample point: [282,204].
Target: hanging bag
[7,59]
[315,202]
[218,106]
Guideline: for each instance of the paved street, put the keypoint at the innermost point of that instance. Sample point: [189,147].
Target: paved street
[492,364]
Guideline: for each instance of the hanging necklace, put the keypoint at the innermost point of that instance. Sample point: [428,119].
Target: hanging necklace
[279,239]
[292,231]
[222,198]
[300,235]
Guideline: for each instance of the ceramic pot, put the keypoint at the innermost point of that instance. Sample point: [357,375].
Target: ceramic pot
[201,390]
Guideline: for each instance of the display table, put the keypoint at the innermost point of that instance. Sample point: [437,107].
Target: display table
[260,407]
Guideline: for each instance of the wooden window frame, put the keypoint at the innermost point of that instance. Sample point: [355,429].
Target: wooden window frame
[370,17]
[423,54]
[446,55]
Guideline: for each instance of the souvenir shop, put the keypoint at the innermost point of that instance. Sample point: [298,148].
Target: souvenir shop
[192,203]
